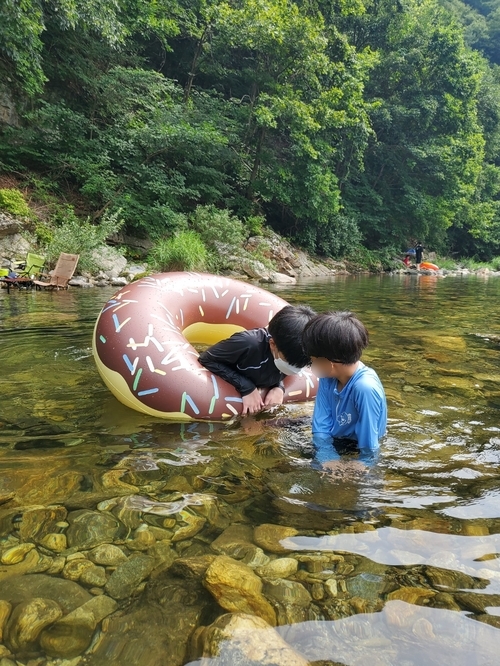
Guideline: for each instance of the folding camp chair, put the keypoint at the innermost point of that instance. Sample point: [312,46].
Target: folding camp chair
[62,273]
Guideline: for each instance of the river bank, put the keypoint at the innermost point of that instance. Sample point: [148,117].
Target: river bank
[267,258]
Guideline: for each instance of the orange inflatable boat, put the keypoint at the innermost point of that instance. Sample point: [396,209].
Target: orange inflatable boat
[143,340]
[426,265]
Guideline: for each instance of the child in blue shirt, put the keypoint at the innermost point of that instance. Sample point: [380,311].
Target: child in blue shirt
[350,413]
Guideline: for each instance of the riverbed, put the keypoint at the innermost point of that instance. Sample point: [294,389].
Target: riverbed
[141,535]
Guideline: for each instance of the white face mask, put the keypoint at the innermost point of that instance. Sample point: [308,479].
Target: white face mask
[286,368]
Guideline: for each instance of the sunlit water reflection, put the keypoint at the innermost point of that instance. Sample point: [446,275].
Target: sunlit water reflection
[427,517]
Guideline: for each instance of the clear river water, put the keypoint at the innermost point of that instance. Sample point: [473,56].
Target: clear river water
[156,529]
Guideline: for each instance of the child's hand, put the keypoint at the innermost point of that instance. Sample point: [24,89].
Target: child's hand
[252,403]
[274,397]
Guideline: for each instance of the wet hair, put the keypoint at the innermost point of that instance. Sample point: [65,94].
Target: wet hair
[338,336]
[286,328]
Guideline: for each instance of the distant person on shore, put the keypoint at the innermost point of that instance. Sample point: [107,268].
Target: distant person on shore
[350,412]
[407,260]
[255,362]
[419,251]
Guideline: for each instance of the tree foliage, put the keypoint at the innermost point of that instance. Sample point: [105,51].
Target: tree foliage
[343,122]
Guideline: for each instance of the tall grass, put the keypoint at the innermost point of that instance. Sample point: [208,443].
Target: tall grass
[183,252]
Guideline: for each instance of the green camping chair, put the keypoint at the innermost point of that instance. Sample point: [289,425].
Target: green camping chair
[31,266]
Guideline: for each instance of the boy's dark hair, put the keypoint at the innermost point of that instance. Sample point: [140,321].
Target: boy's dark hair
[338,336]
[286,328]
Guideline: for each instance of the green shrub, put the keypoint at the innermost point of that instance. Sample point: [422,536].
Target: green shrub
[81,237]
[216,226]
[446,262]
[255,225]
[183,252]
[13,202]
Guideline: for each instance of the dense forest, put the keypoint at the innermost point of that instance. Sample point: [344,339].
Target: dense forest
[341,123]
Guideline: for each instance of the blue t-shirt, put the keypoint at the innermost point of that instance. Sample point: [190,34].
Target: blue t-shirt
[357,412]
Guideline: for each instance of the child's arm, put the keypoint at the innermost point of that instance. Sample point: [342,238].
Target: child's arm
[371,406]
[222,359]
[322,426]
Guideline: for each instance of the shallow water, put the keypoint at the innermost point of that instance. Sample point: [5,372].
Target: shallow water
[419,535]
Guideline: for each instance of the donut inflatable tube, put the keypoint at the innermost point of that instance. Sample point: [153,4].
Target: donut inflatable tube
[143,338]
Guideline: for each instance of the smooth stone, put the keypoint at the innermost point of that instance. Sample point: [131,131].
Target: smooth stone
[55,541]
[7,662]
[32,563]
[255,557]
[72,634]
[157,629]
[367,585]
[94,576]
[194,524]
[412,595]
[143,539]
[75,568]
[232,539]
[178,483]
[28,620]
[16,554]
[58,564]
[317,591]
[287,592]
[163,554]
[192,567]
[331,588]
[66,593]
[238,638]
[107,555]
[39,521]
[269,537]
[5,609]
[88,529]
[161,534]
[283,567]
[477,603]
[453,580]
[127,576]
[237,589]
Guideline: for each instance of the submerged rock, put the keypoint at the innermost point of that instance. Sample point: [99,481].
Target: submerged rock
[107,555]
[37,522]
[269,537]
[88,529]
[157,631]
[237,589]
[28,620]
[72,634]
[5,609]
[412,595]
[16,554]
[127,576]
[66,593]
[238,638]
[283,567]
[192,567]
[233,540]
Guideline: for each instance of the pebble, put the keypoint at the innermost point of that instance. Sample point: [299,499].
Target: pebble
[5,609]
[107,555]
[54,541]
[17,553]
[28,620]
[127,576]
[269,537]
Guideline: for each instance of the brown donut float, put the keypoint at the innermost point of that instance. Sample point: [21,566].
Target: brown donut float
[143,336]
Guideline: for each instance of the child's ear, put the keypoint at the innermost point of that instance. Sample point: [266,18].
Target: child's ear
[272,344]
